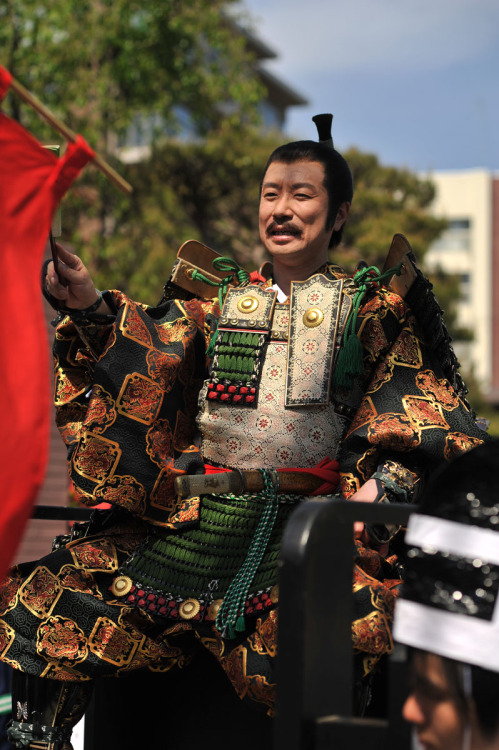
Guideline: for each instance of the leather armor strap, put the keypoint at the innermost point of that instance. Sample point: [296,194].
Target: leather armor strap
[242,481]
[195,256]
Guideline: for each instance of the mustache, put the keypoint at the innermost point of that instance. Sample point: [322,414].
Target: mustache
[284,228]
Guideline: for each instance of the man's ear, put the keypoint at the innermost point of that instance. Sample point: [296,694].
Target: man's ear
[341,215]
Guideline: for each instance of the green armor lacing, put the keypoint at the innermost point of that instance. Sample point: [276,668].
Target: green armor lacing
[237,355]
[350,358]
[230,616]
[184,565]
[222,264]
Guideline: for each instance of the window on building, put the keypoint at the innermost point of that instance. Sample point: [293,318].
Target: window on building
[457,236]
[465,287]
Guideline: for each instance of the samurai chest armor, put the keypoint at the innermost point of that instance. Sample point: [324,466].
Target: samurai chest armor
[271,378]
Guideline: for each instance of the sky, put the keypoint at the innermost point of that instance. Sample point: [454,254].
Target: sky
[414,81]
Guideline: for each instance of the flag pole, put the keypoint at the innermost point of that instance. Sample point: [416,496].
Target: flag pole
[68,134]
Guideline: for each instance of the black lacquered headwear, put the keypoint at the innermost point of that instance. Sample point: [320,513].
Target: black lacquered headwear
[323,124]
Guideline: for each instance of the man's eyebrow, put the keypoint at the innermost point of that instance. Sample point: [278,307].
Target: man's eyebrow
[304,185]
[422,682]
[294,186]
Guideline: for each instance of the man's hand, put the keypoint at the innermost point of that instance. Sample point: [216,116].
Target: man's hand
[366,494]
[79,291]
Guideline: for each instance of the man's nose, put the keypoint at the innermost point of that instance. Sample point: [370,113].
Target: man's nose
[412,712]
[282,209]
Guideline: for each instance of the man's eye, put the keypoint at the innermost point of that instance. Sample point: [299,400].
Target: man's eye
[303,196]
[431,693]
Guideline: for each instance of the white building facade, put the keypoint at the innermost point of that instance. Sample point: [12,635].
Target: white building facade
[468,199]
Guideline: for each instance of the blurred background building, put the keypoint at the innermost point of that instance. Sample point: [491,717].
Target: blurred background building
[469,248]
[273,108]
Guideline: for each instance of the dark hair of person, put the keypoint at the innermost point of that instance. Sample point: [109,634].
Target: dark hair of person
[484,692]
[338,179]
[465,491]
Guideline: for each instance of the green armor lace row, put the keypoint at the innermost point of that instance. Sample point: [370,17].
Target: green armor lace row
[350,363]
[237,355]
[234,269]
[230,617]
[185,565]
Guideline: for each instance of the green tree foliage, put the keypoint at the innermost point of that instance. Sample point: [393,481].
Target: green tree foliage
[98,63]
[447,291]
[205,190]
[387,200]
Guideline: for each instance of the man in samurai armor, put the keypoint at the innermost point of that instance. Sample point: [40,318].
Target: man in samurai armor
[204,421]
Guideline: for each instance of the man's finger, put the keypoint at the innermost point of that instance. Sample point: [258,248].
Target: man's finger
[71,259]
[358,529]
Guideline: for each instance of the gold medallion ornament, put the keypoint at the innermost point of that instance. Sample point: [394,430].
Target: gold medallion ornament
[247,304]
[213,609]
[274,594]
[121,585]
[313,317]
[189,609]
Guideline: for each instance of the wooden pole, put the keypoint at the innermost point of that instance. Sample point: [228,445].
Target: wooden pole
[68,134]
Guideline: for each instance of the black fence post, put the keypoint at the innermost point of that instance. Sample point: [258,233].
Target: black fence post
[315,665]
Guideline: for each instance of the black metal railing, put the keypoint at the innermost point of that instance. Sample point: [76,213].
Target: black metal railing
[315,665]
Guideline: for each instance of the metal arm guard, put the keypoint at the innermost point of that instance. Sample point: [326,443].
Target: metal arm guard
[44,711]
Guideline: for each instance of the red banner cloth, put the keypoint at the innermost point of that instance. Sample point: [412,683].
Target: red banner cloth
[32,182]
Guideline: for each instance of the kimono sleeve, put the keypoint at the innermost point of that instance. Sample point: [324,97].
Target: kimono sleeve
[410,416]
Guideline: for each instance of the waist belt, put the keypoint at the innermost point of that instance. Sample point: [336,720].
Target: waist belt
[241,481]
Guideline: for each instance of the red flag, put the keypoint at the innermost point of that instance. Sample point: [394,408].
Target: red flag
[32,182]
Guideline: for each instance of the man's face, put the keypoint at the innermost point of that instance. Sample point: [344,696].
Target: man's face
[293,212]
[431,706]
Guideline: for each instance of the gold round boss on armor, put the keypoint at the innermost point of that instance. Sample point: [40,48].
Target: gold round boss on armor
[213,609]
[313,317]
[189,609]
[121,585]
[247,304]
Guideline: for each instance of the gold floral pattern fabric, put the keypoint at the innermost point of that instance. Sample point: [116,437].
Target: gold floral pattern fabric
[409,412]
[129,421]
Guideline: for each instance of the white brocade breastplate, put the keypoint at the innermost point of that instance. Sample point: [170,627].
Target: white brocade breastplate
[293,422]
[268,435]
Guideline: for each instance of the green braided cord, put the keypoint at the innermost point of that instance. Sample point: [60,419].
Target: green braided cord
[230,617]
[350,358]
[223,263]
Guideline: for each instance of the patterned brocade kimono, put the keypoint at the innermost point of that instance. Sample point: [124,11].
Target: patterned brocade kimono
[137,407]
